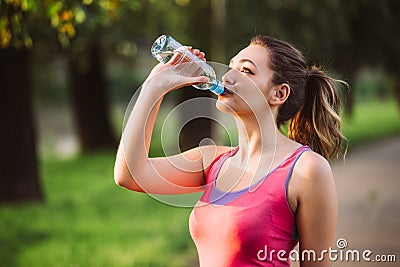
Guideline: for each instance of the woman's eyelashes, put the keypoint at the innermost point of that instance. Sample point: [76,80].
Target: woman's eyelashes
[247,70]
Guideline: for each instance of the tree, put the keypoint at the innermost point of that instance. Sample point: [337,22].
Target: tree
[19,173]
[79,32]
[88,91]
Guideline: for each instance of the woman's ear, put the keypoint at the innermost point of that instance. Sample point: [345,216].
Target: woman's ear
[281,93]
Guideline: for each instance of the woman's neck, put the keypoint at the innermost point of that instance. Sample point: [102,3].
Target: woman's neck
[257,137]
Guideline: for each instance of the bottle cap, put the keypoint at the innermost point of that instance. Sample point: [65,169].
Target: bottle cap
[217,88]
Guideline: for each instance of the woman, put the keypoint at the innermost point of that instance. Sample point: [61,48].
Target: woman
[271,191]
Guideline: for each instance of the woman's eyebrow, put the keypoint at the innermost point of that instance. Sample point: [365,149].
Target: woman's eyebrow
[231,62]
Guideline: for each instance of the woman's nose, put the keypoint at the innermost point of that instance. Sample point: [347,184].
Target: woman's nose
[229,77]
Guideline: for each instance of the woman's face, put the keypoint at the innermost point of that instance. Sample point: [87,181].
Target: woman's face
[248,82]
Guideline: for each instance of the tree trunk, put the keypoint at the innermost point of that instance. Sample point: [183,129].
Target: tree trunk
[218,29]
[89,99]
[194,122]
[19,171]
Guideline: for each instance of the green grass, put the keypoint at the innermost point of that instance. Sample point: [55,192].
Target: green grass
[87,220]
[372,121]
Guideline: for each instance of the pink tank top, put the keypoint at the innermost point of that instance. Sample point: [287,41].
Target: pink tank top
[242,228]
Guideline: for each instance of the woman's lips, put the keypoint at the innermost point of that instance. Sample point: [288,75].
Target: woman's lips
[226,92]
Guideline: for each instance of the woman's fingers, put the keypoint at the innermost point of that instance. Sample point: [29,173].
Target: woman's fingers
[197,52]
[176,58]
[201,55]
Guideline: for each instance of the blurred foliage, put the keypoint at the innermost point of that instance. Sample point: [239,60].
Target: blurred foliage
[67,17]
[324,27]
[13,30]
[373,84]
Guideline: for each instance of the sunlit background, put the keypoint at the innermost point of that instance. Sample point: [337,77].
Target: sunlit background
[68,70]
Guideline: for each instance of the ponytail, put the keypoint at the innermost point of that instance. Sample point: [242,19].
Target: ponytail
[318,123]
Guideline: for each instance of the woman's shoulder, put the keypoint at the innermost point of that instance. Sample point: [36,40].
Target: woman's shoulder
[313,164]
[313,172]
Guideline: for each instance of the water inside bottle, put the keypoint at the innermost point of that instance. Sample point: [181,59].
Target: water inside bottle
[165,56]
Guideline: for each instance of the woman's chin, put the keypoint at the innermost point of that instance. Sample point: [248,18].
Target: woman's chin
[223,106]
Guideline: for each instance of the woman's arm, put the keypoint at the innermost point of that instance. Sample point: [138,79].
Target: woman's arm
[317,208]
[182,173]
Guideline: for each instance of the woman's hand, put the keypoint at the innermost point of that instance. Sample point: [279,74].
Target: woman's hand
[164,79]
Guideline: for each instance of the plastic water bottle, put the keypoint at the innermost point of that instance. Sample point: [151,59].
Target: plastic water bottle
[187,63]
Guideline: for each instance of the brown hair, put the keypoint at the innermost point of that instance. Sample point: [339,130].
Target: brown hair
[312,108]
